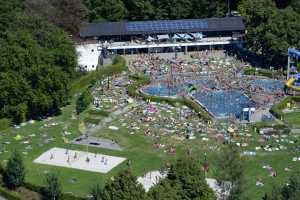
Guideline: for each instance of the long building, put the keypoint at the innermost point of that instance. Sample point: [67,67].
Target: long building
[211,27]
[163,35]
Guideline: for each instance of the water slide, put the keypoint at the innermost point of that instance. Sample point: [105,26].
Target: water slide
[291,83]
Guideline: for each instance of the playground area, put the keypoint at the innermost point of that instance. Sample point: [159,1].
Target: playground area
[214,80]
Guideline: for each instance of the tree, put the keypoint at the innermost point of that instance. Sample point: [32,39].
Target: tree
[52,190]
[188,176]
[111,10]
[270,31]
[37,61]
[176,9]
[291,191]
[67,14]
[96,192]
[139,9]
[125,187]
[206,8]
[14,172]
[83,101]
[165,191]
[274,195]
[230,172]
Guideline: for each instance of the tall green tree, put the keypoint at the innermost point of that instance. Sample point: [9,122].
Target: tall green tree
[165,191]
[96,192]
[111,10]
[37,61]
[274,195]
[125,187]
[270,31]
[67,14]
[53,188]
[176,9]
[188,176]
[206,8]
[230,172]
[291,191]
[14,96]
[139,9]
[14,172]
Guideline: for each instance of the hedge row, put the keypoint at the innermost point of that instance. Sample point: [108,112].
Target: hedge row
[258,71]
[202,112]
[9,195]
[70,196]
[144,80]
[38,189]
[276,110]
[99,112]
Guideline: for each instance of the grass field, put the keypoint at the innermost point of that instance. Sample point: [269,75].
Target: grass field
[138,148]
[293,119]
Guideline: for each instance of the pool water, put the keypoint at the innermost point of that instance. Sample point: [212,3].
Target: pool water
[161,90]
[269,85]
[223,104]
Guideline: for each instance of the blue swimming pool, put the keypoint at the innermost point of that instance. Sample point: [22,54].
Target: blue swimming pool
[161,90]
[269,85]
[223,104]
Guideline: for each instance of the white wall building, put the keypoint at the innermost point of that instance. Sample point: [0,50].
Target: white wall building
[88,56]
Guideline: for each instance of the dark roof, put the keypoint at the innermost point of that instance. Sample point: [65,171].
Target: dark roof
[162,26]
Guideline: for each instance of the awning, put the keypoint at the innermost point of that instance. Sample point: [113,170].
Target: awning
[176,37]
[162,37]
[197,35]
[182,37]
[150,39]
[188,37]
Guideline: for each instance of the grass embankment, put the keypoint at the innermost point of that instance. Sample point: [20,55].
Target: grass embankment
[292,119]
[88,81]
[82,83]
[141,80]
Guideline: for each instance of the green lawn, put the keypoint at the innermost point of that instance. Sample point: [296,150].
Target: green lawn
[293,119]
[138,148]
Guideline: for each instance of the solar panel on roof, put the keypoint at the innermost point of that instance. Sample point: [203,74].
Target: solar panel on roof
[166,25]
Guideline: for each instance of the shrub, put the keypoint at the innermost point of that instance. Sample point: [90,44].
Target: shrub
[52,190]
[83,101]
[5,123]
[99,112]
[14,172]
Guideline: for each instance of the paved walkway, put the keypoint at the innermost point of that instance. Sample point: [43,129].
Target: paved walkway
[296,130]
[108,119]
[91,140]
[97,142]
